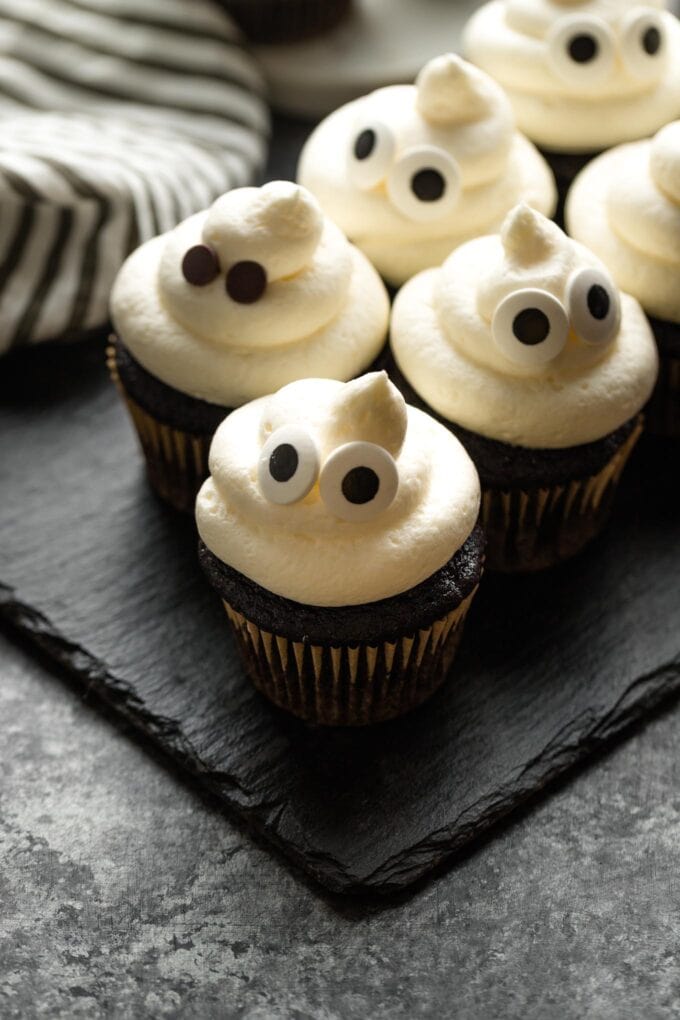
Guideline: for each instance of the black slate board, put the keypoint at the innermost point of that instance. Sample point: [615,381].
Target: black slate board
[100,574]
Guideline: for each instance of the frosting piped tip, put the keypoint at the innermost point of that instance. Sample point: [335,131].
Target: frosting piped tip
[290,211]
[528,236]
[373,410]
[451,91]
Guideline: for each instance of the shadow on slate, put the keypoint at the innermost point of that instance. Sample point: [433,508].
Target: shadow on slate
[104,578]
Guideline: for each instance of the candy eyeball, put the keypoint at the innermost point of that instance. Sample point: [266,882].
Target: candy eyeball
[371,154]
[582,50]
[644,43]
[288,466]
[530,327]
[424,184]
[594,306]
[359,481]
[200,265]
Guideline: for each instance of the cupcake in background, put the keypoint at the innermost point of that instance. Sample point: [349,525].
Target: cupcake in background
[286,21]
[582,75]
[339,527]
[412,171]
[625,206]
[235,302]
[523,346]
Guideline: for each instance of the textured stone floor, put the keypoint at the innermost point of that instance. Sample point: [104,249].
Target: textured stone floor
[123,893]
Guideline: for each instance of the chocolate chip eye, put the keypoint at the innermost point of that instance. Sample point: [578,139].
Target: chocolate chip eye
[246,282]
[359,481]
[288,466]
[644,44]
[370,155]
[582,50]
[425,184]
[530,327]
[200,265]
[594,306]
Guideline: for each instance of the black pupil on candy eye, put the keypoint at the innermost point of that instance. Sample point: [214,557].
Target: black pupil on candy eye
[428,185]
[583,48]
[531,327]
[283,462]
[360,485]
[365,144]
[651,41]
[599,302]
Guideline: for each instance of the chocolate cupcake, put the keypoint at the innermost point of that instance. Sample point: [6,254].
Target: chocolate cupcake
[257,291]
[412,171]
[581,76]
[625,207]
[286,21]
[339,528]
[523,345]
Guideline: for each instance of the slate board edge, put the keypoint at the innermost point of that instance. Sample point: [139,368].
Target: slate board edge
[581,740]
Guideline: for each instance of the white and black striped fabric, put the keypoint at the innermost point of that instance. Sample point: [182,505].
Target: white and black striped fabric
[118,118]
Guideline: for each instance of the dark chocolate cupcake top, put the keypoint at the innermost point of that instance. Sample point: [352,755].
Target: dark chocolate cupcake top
[255,292]
[524,338]
[336,494]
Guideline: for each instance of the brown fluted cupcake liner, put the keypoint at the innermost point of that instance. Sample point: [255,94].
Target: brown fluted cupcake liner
[176,461]
[349,685]
[531,529]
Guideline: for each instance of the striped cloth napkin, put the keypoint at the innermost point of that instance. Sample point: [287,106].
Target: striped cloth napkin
[118,119]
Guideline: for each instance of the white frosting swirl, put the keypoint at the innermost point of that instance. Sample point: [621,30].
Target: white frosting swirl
[324,311]
[621,94]
[443,339]
[625,206]
[303,551]
[454,118]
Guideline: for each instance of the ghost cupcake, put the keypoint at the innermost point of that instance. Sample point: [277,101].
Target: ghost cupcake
[522,344]
[411,171]
[582,75]
[625,206]
[339,527]
[235,302]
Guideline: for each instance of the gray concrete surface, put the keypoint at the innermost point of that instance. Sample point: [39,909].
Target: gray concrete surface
[124,894]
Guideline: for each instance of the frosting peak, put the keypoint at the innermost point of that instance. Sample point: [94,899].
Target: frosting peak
[278,225]
[529,342]
[449,91]
[370,409]
[529,237]
[306,499]
[412,171]
[258,290]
